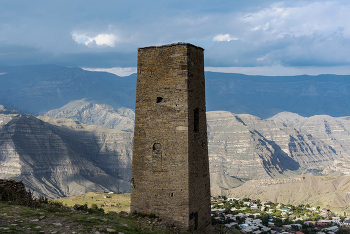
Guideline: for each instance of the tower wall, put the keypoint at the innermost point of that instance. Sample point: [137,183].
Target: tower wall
[170,169]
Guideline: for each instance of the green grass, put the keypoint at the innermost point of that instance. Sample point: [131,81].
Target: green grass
[78,221]
[116,202]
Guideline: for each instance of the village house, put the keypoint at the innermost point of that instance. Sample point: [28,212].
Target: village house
[276,229]
[253,224]
[346,223]
[265,229]
[299,226]
[232,199]
[256,214]
[311,208]
[217,211]
[285,209]
[230,216]
[231,225]
[269,204]
[286,227]
[331,229]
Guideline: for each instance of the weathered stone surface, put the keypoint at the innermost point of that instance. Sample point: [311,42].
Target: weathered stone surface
[16,188]
[170,172]
[79,207]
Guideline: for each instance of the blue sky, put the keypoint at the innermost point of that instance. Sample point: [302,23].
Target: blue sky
[252,36]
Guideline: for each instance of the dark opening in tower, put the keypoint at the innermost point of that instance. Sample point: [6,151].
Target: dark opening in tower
[196,120]
[159,100]
[196,221]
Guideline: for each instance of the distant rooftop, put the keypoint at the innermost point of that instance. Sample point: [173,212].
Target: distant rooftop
[173,44]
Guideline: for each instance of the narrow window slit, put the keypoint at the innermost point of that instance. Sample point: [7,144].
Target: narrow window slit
[196,120]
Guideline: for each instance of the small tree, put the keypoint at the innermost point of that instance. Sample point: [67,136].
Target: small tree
[227,207]
[317,217]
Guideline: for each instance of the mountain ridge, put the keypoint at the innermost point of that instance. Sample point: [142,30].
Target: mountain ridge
[89,112]
[242,148]
[40,88]
[326,191]
[62,157]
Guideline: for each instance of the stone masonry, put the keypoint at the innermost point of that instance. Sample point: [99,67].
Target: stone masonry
[16,188]
[170,168]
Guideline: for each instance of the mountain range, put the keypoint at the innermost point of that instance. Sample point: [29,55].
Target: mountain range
[63,157]
[45,152]
[70,131]
[96,114]
[41,88]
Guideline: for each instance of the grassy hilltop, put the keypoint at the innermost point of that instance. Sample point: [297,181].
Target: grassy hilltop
[114,202]
[52,217]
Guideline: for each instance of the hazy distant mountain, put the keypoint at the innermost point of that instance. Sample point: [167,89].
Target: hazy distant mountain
[38,89]
[5,110]
[62,157]
[96,114]
[266,96]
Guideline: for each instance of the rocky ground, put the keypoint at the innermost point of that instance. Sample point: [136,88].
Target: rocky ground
[58,219]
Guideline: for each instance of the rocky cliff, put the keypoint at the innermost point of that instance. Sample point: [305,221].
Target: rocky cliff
[62,157]
[247,147]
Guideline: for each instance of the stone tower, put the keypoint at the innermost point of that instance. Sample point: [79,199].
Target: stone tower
[170,167]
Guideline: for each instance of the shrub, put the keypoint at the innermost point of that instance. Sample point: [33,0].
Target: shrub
[94,209]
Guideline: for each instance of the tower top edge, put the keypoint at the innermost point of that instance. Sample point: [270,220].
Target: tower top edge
[170,45]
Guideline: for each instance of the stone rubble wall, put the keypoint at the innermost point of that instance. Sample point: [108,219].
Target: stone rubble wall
[16,187]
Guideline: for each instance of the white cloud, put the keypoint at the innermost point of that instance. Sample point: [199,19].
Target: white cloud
[100,39]
[282,71]
[262,58]
[263,71]
[105,39]
[224,37]
[119,71]
[279,20]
